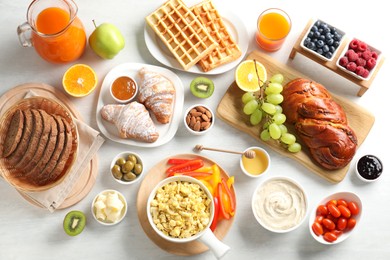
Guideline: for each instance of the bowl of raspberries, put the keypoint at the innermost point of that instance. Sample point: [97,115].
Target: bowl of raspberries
[359,59]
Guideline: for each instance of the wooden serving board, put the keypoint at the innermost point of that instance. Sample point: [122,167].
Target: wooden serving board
[153,177]
[230,110]
[88,178]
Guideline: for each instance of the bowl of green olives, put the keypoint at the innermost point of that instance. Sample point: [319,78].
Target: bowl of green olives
[127,167]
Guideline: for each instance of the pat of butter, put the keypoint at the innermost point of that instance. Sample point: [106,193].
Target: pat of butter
[108,207]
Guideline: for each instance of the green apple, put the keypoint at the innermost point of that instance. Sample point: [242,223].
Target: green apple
[106,40]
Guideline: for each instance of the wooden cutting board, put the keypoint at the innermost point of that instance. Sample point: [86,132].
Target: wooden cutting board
[230,110]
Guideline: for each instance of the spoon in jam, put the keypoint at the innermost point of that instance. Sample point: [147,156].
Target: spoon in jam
[249,153]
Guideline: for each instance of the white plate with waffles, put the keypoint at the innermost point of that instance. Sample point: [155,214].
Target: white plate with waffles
[234,25]
[165,131]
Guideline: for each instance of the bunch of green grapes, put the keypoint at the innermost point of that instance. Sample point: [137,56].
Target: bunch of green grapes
[266,105]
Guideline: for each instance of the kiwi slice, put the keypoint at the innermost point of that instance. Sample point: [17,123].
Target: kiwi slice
[74,222]
[202,87]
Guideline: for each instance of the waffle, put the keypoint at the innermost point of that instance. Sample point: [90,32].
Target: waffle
[227,49]
[183,34]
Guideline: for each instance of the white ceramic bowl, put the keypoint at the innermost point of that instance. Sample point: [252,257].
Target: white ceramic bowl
[302,44]
[262,157]
[358,172]
[353,73]
[206,236]
[272,203]
[124,155]
[123,101]
[122,213]
[348,196]
[201,132]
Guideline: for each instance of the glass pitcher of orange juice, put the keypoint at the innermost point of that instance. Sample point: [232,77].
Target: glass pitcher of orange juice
[54,30]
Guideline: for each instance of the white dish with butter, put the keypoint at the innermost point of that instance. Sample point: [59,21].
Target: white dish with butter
[109,207]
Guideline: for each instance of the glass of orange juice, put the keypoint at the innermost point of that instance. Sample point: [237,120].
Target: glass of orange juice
[273,26]
[54,30]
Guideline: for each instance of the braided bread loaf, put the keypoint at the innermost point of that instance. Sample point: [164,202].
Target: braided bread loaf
[320,122]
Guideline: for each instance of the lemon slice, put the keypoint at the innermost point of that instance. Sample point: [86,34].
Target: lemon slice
[248,78]
[79,80]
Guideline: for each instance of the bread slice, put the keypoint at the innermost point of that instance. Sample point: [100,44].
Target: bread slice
[18,153]
[44,175]
[56,135]
[34,140]
[47,125]
[64,156]
[14,133]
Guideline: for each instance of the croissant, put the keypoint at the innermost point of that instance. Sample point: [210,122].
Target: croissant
[157,94]
[132,120]
[320,122]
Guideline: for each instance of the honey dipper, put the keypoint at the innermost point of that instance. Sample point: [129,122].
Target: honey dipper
[249,153]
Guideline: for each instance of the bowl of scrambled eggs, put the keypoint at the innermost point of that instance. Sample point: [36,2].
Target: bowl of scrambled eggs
[180,209]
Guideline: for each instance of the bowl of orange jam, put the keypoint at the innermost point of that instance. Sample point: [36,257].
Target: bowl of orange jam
[256,166]
[124,89]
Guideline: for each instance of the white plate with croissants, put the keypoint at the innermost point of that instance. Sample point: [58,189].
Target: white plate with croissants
[149,120]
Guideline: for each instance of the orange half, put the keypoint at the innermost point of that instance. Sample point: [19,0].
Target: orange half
[79,80]
[249,77]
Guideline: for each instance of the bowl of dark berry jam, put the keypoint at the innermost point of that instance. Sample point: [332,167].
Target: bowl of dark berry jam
[369,168]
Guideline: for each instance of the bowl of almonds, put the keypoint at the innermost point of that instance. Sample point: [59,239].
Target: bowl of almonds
[199,119]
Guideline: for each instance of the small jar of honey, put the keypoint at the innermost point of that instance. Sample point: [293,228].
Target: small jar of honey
[123,89]
[257,166]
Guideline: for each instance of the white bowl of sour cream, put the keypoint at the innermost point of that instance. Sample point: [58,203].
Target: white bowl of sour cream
[279,204]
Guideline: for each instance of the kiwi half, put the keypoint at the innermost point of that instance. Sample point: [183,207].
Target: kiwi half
[202,87]
[74,222]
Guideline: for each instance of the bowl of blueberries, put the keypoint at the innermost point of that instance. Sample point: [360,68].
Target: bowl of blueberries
[323,40]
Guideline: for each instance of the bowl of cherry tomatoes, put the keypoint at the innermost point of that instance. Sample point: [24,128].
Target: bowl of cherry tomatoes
[335,217]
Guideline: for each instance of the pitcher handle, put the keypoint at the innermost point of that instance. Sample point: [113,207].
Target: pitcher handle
[24,33]
[218,248]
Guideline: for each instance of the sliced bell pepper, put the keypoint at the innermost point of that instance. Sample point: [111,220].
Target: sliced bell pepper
[196,175]
[177,161]
[208,186]
[230,182]
[214,223]
[229,193]
[223,202]
[187,166]
[216,177]
[205,169]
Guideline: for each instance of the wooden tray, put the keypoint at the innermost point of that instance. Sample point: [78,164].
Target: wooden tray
[230,110]
[332,65]
[154,176]
[88,177]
